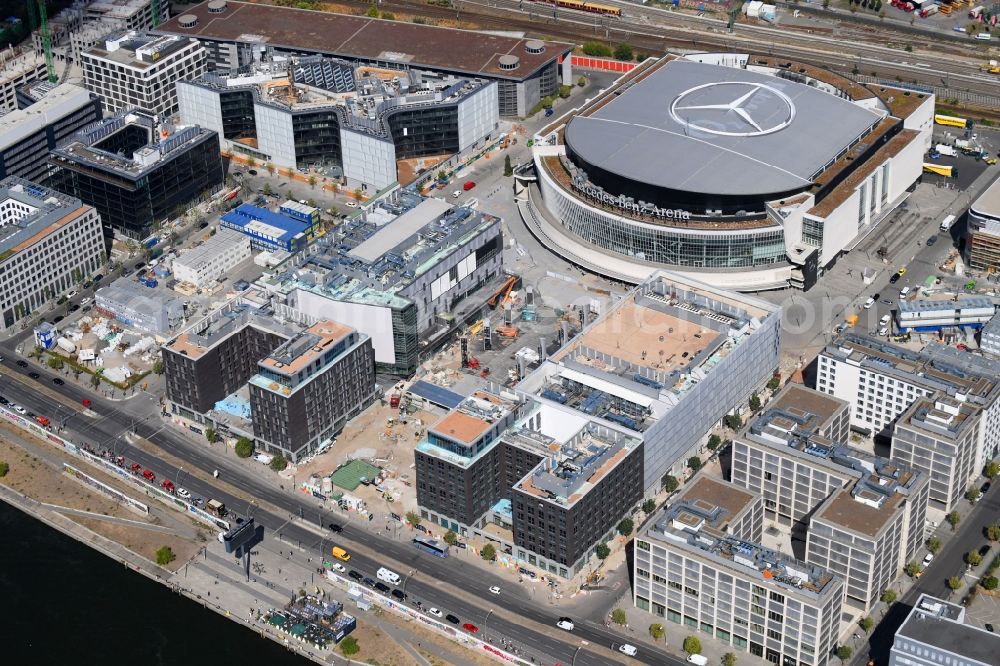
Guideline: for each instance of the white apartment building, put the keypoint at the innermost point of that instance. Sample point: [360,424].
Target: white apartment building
[699,564]
[865,513]
[940,437]
[48,243]
[937,632]
[204,265]
[140,71]
[881,381]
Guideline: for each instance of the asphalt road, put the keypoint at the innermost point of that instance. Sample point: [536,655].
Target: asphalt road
[435,579]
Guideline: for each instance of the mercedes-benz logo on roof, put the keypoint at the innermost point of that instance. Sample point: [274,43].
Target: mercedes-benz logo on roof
[733,108]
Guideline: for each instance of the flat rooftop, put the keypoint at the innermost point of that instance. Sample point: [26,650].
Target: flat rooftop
[406,44]
[741,132]
[942,416]
[249,309]
[305,348]
[940,624]
[945,304]
[403,227]
[988,203]
[798,399]
[682,524]
[706,493]
[48,211]
[859,510]
[56,104]
[473,417]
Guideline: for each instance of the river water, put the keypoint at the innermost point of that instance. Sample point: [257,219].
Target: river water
[64,603]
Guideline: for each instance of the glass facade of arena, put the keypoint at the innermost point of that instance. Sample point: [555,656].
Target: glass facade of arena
[693,248]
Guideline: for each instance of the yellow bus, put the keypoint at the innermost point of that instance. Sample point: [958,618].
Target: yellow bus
[951,121]
[941,169]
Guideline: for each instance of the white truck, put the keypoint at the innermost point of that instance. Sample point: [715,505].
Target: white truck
[945,149]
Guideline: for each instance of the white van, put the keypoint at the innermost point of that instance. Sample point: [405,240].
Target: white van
[903,292]
[698,659]
[388,576]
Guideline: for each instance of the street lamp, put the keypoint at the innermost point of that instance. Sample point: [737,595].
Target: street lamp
[406,580]
[576,652]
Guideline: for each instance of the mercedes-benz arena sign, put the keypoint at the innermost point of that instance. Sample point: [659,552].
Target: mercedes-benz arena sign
[747,109]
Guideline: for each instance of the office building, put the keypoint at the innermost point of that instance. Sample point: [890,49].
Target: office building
[881,381]
[267,230]
[805,166]
[989,338]
[84,25]
[405,272]
[944,315]
[266,372]
[139,308]
[137,70]
[941,437]
[206,265]
[544,484]
[525,70]
[307,389]
[137,173]
[937,632]
[49,242]
[982,247]
[664,364]
[698,564]
[218,354]
[27,135]
[18,68]
[354,122]
[862,516]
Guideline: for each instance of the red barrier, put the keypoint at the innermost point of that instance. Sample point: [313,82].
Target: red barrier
[605,64]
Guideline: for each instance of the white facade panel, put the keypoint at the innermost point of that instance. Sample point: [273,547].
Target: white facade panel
[275,135]
[367,160]
[373,320]
[478,115]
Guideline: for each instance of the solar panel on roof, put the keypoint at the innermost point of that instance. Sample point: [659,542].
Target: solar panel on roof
[436,394]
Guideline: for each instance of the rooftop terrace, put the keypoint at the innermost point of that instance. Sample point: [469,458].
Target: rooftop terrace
[942,416]
[303,356]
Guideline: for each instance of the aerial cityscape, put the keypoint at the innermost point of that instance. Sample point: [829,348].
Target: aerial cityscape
[537,332]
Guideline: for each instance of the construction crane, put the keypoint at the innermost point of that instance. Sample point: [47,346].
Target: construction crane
[46,41]
[155,6]
[503,292]
[32,14]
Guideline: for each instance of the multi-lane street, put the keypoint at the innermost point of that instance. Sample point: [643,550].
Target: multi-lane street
[449,584]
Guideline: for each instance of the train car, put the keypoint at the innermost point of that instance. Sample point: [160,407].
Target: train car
[584,6]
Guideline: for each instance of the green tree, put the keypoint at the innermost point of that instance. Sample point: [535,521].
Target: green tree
[624,52]
[866,623]
[388,16]
[4,468]
[488,553]
[954,582]
[729,659]
[626,526]
[912,569]
[312,181]
[774,382]
[989,583]
[372,12]
[602,551]
[349,645]
[889,597]
[694,462]
[270,168]
[597,49]
[55,363]
[450,538]
[692,645]
[278,463]
[211,435]
[442,175]
[95,380]
[244,447]
[311,202]
[973,558]
[582,81]
[165,556]
[158,367]
[36,353]
[934,545]
[754,402]
[413,518]
[619,617]
[972,494]
[267,189]
[991,470]
[289,195]
[669,483]
[656,631]
[993,532]
[508,169]
[714,442]
[953,519]
[844,652]
[732,421]
[649,506]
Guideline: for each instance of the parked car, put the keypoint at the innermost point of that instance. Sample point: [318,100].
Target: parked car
[469,184]
[369,581]
[399,594]
[894,279]
[451,618]
[928,558]
[932,240]
[337,566]
[184,493]
[870,302]
[382,587]
[435,612]
[471,628]
[149,475]
[984,550]
[985,488]
[252,172]
[356,575]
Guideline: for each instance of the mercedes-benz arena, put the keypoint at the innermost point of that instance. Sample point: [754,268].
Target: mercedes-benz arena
[751,172]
